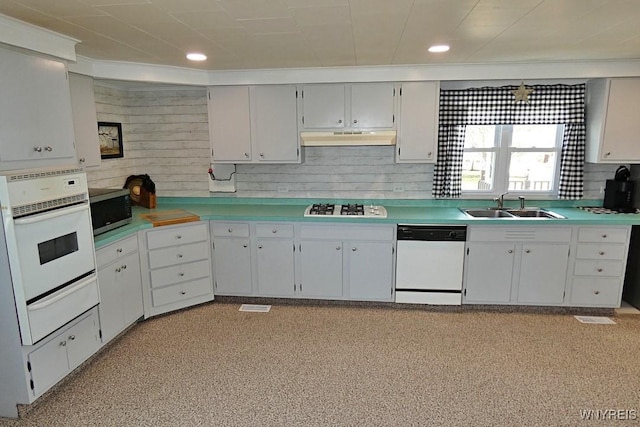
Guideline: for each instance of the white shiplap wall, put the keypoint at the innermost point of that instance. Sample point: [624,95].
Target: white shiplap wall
[166,135]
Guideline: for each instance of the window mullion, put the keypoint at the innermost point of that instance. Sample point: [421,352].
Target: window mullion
[503,136]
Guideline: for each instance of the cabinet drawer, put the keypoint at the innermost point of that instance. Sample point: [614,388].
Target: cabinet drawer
[274,230]
[599,268]
[180,273]
[603,235]
[593,251]
[178,254]
[347,232]
[177,236]
[229,229]
[595,292]
[110,253]
[181,292]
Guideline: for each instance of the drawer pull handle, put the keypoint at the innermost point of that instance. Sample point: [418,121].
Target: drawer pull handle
[337,248]
[119,250]
[259,246]
[509,251]
[180,255]
[601,253]
[230,230]
[179,236]
[183,292]
[244,246]
[527,251]
[48,148]
[596,292]
[124,267]
[118,270]
[72,337]
[604,236]
[274,231]
[599,270]
[181,274]
[354,249]
[63,344]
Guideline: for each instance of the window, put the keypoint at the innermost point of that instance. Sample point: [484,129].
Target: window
[513,158]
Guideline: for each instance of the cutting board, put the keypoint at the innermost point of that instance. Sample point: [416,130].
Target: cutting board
[176,216]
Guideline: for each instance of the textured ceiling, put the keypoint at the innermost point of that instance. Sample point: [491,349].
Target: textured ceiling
[253,34]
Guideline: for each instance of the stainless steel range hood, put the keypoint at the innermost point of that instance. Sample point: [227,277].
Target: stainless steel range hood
[316,139]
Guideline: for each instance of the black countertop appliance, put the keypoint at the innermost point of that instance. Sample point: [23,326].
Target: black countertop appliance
[618,192]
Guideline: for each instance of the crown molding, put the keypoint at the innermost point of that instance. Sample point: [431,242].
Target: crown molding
[26,36]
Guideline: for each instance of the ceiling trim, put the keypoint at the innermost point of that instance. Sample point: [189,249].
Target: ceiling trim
[20,34]
[150,73]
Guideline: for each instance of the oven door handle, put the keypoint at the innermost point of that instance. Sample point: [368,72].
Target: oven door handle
[71,289]
[53,214]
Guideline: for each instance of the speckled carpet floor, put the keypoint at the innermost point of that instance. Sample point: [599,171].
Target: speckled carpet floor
[354,366]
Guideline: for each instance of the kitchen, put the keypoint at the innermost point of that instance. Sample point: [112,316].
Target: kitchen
[330,172]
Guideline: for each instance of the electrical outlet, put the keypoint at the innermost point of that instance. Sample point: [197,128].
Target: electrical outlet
[283,189]
[398,188]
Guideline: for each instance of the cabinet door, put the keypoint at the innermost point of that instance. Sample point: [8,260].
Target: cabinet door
[543,273]
[232,260]
[621,128]
[82,341]
[49,364]
[85,120]
[274,121]
[275,267]
[35,108]
[230,123]
[372,105]
[370,270]
[131,284]
[321,269]
[323,106]
[418,127]
[489,271]
[111,309]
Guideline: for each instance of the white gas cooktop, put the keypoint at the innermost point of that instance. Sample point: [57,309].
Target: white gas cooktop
[350,210]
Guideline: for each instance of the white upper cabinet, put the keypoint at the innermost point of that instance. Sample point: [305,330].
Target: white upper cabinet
[255,124]
[418,125]
[230,124]
[85,120]
[612,123]
[274,124]
[35,112]
[351,106]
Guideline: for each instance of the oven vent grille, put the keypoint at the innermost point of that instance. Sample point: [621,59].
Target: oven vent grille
[43,174]
[32,208]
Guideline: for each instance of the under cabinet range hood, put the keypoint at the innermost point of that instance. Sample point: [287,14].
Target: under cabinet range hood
[317,139]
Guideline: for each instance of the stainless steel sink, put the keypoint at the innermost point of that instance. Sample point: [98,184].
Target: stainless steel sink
[487,213]
[532,213]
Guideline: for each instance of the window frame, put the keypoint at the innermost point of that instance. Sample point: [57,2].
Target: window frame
[503,150]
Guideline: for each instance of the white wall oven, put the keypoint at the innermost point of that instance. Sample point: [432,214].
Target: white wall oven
[49,239]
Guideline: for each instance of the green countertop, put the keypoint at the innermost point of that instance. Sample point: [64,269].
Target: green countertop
[399,211]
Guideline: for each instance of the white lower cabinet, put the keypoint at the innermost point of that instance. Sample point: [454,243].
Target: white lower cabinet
[120,285]
[56,356]
[231,258]
[176,267]
[599,266]
[353,262]
[274,259]
[516,265]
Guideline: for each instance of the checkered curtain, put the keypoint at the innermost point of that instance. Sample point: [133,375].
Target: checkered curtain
[548,104]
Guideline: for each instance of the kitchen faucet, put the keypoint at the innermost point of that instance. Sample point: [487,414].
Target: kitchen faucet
[521,202]
[500,200]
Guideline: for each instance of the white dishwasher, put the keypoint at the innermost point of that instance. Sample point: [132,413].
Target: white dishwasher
[429,264]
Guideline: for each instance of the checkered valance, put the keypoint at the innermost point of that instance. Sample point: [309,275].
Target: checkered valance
[548,104]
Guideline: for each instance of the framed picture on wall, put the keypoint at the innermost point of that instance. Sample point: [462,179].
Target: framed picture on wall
[110,135]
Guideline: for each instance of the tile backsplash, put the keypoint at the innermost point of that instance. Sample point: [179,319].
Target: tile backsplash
[165,134]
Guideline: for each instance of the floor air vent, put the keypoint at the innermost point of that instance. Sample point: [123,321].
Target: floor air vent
[254,308]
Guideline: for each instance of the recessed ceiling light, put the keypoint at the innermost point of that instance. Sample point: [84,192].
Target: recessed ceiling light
[439,48]
[196,56]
